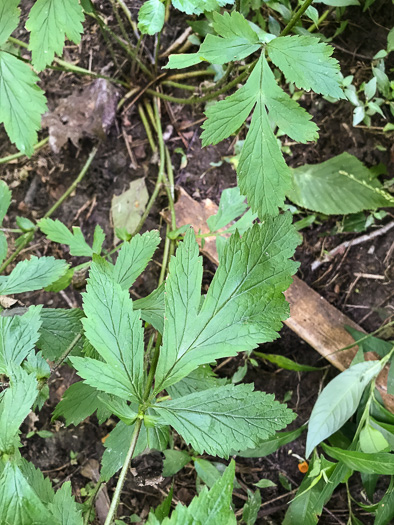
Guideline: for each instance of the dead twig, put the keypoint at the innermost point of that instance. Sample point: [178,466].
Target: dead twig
[348,244]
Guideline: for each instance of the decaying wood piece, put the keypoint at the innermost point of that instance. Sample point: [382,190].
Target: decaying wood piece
[312,318]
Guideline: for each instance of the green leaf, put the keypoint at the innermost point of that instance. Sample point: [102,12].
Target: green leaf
[200,379]
[244,305]
[15,405]
[79,402]
[174,461]
[163,510]
[33,274]
[307,63]
[252,507]
[340,185]
[134,256]
[371,344]
[232,204]
[272,444]
[116,332]
[120,408]
[151,17]
[390,41]
[64,508]
[236,39]
[23,102]
[117,445]
[42,486]
[5,198]
[56,231]
[58,330]
[385,511]
[9,18]
[210,507]
[265,483]
[303,508]
[182,61]
[222,419]
[372,441]
[338,402]
[49,22]
[18,501]
[152,308]
[286,363]
[18,336]
[197,7]
[3,247]
[207,471]
[385,429]
[377,463]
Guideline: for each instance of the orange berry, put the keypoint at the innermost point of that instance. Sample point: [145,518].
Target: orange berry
[303,467]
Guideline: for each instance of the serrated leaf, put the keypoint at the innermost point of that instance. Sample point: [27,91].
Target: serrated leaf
[56,231]
[58,330]
[5,199]
[235,41]
[18,336]
[340,185]
[79,402]
[64,507]
[231,205]
[42,486]
[18,501]
[49,22]
[32,274]
[152,308]
[116,332]
[222,419]
[9,18]
[338,402]
[134,256]
[23,102]
[15,405]
[244,305]
[151,17]
[272,444]
[200,379]
[117,445]
[210,507]
[308,63]
[377,463]
[197,7]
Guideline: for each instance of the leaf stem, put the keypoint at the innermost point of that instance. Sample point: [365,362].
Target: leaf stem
[66,194]
[123,473]
[18,155]
[89,502]
[66,353]
[297,15]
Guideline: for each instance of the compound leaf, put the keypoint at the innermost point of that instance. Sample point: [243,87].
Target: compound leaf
[49,22]
[9,18]
[64,507]
[18,501]
[116,332]
[340,185]
[58,330]
[79,402]
[56,231]
[151,17]
[22,102]
[338,402]
[200,379]
[32,274]
[308,63]
[236,39]
[15,405]
[244,305]
[18,336]
[134,256]
[223,419]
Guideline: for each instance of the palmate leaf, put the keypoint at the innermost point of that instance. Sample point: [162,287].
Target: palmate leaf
[244,305]
[9,18]
[64,507]
[151,17]
[219,420]
[116,332]
[210,507]
[32,274]
[263,175]
[22,102]
[49,22]
[18,336]
[308,63]
[58,232]
[15,405]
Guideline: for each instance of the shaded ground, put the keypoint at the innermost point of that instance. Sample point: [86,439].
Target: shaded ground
[39,182]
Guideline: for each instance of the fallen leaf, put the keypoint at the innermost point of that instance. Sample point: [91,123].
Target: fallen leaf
[127,208]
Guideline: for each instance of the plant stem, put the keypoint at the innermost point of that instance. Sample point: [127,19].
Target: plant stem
[67,352]
[30,236]
[297,15]
[191,74]
[320,20]
[147,128]
[18,155]
[129,18]
[89,502]
[123,473]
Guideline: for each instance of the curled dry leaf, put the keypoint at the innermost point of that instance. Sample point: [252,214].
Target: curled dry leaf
[87,113]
